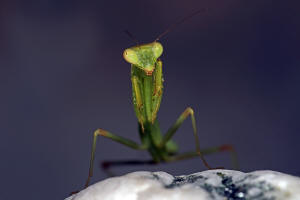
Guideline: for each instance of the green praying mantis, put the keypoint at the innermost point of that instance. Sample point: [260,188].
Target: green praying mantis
[147,90]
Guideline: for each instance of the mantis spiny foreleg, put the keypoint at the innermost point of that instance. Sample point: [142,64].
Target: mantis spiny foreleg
[157,90]
[138,100]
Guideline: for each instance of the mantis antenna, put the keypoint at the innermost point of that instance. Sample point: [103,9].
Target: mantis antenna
[132,37]
[173,26]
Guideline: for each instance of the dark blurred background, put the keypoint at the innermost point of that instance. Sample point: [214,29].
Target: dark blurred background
[62,75]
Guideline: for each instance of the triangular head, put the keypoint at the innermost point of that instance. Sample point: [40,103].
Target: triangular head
[144,56]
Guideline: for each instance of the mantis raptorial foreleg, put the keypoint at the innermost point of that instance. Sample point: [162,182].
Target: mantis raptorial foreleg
[119,139]
[172,130]
[138,99]
[158,89]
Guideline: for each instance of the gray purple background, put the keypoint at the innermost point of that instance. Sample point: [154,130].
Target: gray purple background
[62,75]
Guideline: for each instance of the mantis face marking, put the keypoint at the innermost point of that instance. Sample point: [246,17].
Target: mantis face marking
[144,56]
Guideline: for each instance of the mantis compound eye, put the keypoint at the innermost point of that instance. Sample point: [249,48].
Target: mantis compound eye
[130,56]
[157,49]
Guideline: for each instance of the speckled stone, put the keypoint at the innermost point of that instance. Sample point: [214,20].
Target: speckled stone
[206,185]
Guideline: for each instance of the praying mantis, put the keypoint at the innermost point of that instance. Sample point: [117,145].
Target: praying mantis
[147,90]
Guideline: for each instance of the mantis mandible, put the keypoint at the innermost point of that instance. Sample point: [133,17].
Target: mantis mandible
[147,89]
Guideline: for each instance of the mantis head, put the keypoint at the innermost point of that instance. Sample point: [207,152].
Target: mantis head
[144,56]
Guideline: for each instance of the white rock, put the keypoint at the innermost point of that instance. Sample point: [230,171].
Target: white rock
[206,185]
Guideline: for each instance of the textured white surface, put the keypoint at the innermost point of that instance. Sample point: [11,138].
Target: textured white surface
[211,184]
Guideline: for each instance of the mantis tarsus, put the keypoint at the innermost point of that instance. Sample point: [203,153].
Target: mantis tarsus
[147,89]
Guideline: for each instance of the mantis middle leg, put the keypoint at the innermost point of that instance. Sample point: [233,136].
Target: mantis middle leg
[172,130]
[114,137]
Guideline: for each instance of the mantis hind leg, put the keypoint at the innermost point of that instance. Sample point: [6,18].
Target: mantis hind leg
[114,137]
[106,165]
[207,151]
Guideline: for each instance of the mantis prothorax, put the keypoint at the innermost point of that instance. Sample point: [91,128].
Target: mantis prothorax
[147,89]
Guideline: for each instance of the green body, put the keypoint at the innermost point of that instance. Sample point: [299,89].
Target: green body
[147,90]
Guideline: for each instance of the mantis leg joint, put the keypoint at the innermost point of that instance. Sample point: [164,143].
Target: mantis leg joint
[188,111]
[226,147]
[100,132]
